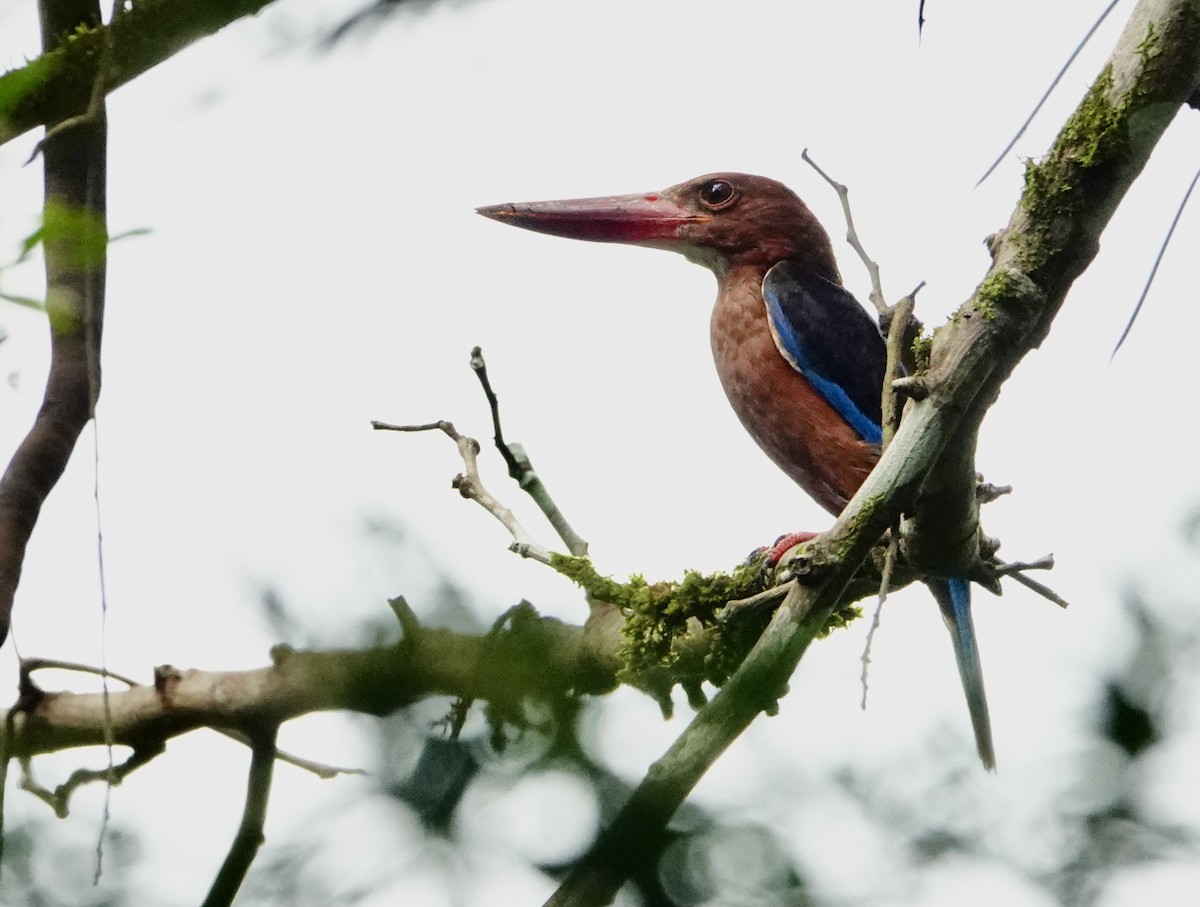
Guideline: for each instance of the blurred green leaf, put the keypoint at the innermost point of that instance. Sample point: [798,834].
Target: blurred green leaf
[23,301]
[69,225]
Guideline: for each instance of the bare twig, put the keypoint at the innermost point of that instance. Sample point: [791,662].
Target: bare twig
[885,583]
[1044,591]
[877,297]
[409,623]
[59,799]
[249,836]
[29,665]
[479,366]
[520,468]
[1157,261]
[899,316]
[1017,570]
[766,598]
[1015,567]
[915,387]
[986,492]
[470,486]
[1054,84]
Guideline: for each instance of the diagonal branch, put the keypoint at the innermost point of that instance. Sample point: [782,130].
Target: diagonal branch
[1052,237]
[60,83]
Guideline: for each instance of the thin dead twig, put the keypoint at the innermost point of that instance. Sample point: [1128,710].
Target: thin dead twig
[877,297]
[520,467]
[470,486]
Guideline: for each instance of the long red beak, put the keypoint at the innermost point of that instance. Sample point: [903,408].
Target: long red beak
[637,219]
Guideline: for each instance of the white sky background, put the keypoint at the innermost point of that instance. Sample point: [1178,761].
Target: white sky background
[315,262]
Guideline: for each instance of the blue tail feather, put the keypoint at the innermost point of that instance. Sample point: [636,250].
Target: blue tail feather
[954,598]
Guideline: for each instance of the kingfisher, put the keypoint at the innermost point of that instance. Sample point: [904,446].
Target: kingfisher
[799,358]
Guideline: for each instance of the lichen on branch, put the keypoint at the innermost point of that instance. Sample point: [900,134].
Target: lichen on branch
[683,626]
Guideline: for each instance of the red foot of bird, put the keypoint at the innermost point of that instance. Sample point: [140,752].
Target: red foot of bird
[785,543]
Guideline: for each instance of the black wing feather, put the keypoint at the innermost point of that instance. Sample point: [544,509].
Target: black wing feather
[829,337]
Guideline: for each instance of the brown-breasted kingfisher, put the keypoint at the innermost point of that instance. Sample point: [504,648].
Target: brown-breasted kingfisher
[801,361]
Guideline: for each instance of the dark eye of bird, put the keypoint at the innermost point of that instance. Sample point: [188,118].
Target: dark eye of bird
[716,193]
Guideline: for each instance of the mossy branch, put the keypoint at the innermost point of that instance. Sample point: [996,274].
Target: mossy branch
[1053,235]
[60,83]
[1051,238]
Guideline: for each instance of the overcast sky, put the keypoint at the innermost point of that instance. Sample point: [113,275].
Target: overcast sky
[315,263]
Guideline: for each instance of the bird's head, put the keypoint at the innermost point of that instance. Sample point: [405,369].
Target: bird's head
[720,220]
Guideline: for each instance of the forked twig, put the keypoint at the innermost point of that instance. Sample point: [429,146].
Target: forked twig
[1017,570]
[59,799]
[520,467]
[471,487]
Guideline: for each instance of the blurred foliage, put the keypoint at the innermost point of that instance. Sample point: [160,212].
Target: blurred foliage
[448,809]
[1140,710]
[436,786]
[531,795]
[45,869]
[376,13]
[448,788]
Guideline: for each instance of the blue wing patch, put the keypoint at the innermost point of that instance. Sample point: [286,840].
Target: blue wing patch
[830,339]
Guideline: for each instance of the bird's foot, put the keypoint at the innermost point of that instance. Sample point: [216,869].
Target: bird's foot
[768,557]
[786,543]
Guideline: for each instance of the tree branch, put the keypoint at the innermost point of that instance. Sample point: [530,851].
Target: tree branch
[249,837]
[527,657]
[537,658]
[1053,235]
[59,84]
[74,237]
